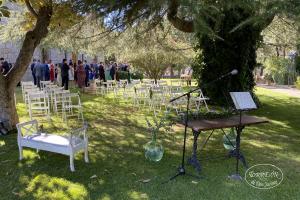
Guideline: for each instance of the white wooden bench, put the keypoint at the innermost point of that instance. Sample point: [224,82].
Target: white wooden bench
[29,136]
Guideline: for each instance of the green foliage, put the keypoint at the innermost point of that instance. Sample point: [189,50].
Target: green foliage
[136,75]
[236,50]
[278,68]
[297,83]
[123,75]
[164,123]
[153,51]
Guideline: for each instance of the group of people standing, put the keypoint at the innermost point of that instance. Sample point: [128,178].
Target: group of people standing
[42,71]
[80,73]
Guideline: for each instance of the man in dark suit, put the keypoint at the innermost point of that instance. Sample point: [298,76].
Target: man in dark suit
[65,74]
[32,71]
[5,66]
[87,73]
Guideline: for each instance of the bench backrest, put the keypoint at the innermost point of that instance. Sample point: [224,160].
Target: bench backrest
[27,128]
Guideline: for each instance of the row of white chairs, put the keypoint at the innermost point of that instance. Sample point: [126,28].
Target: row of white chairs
[40,102]
[155,95]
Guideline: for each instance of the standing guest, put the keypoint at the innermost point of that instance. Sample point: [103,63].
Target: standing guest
[65,74]
[81,75]
[58,75]
[47,71]
[75,72]
[32,71]
[97,71]
[71,75]
[5,66]
[102,71]
[52,71]
[113,71]
[43,71]
[87,72]
[92,74]
[38,71]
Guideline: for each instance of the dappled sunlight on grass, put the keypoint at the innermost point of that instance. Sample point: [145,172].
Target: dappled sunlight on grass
[118,169]
[134,195]
[261,144]
[46,187]
[2,143]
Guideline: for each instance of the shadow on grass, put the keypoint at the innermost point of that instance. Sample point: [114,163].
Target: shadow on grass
[118,169]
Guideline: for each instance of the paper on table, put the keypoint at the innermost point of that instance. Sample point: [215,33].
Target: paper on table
[243,100]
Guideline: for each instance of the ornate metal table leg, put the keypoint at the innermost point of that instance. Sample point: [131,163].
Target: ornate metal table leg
[233,153]
[193,159]
[239,155]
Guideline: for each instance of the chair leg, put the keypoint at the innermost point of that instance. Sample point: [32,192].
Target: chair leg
[72,163]
[20,152]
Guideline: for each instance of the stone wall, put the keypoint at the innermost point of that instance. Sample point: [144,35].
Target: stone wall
[9,51]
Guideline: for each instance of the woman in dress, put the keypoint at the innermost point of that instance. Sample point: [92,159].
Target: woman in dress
[52,71]
[71,75]
[59,80]
[80,75]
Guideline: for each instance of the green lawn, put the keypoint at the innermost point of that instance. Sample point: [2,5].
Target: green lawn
[118,169]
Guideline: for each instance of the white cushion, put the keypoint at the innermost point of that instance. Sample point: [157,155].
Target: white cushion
[51,139]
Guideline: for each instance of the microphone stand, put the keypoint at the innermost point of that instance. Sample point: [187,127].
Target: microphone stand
[181,168]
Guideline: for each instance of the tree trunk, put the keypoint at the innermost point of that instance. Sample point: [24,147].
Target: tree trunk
[14,76]
[45,55]
[7,104]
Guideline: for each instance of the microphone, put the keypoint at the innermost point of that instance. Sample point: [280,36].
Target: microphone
[234,72]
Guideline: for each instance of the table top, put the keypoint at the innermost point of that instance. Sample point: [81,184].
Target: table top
[233,121]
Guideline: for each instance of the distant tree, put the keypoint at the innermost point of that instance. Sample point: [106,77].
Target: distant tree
[155,50]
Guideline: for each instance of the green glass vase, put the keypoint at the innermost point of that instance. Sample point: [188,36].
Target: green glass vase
[154,151]
[229,142]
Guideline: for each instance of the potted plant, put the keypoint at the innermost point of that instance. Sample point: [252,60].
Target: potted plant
[153,149]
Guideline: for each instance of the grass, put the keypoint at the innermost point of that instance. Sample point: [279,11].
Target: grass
[118,169]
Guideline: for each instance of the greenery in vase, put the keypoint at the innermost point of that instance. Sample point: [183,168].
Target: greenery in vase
[163,124]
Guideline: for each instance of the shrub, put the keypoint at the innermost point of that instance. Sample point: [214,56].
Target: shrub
[123,75]
[136,75]
[278,68]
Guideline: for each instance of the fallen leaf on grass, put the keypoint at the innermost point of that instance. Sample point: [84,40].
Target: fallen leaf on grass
[144,180]
[94,176]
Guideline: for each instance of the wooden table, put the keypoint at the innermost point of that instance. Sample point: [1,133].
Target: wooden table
[200,125]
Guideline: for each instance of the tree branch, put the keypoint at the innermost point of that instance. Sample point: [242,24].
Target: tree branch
[31,41]
[180,24]
[30,8]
